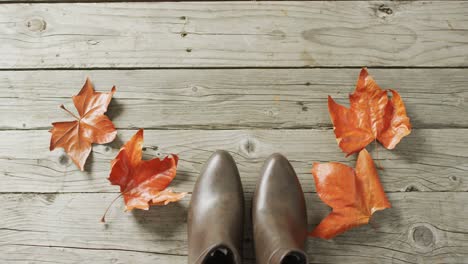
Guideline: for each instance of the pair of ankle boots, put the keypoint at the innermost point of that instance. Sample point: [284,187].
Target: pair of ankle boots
[216,214]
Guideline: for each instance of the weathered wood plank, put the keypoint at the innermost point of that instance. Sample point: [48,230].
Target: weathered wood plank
[113,1]
[126,1]
[420,228]
[427,160]
[20,253]
[98,1]
[234,34]
[222,99]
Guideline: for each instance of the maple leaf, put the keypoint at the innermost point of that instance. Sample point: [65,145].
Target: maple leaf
[143,182]
[91,126]
[371,116]
[354,195]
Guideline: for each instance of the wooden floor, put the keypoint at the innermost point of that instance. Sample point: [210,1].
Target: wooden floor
[248,77]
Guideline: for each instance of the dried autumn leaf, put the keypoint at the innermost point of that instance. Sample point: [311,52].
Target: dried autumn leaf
[167,196]
[91,126]
[143,182]
[371,116]
[354,195]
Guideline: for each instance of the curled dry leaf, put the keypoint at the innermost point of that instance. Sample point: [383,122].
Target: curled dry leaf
[167,196]
[371,116]
[143,182]
[91,126]
[354,195]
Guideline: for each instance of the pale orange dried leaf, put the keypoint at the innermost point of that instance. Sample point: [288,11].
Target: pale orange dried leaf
[167,196]
[353,194]
[371,116]
[91,126]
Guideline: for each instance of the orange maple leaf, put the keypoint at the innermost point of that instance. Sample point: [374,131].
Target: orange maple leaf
[354,195]
[143,182]
[91,126]
[371,116]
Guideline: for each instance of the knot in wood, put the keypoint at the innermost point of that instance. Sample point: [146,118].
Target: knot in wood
[63,159]
[249,145]
[36,25]
[453,178]
[423,236]
[277,35]
[303,107]
[271,112]
[385,9]
[50,197]
[411,188]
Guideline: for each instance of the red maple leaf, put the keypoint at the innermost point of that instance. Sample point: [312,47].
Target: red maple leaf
[91,126]
[371,116]
[354,195]
[143,182]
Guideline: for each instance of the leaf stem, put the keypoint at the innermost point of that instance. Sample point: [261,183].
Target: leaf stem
[103,219]
[69,112]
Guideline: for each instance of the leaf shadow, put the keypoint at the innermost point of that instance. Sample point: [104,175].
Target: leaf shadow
[104,149]
[378,232]
[382,229]
[182,179]
[411,145]
[88,167]
[316,212]
[115,109]
[116,144]
[163,221]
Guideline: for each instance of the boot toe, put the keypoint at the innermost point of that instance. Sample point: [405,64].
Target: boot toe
[279,214]
[215,215]
[278,176]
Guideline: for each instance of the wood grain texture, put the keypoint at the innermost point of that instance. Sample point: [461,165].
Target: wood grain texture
[427,160]
[228,98]
[51,211]
[234,34]
[98,1]
[420,228]
[113,1]
[27,254]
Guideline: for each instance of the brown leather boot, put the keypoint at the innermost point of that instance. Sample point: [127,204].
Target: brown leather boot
[216,214]
[279,214]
